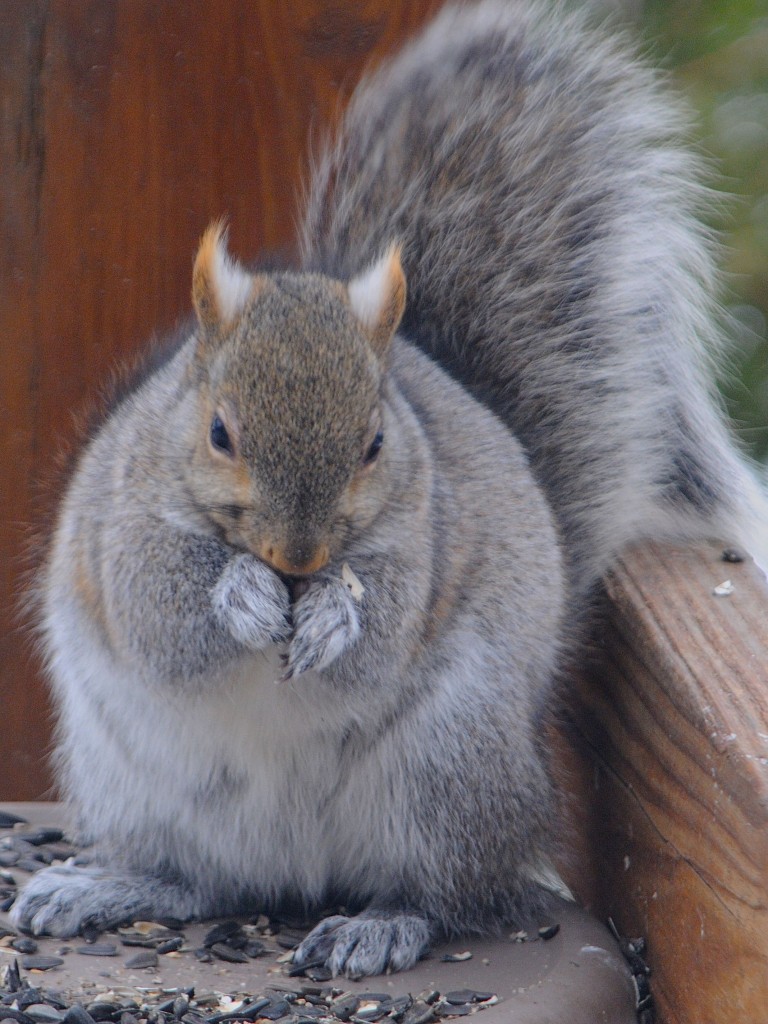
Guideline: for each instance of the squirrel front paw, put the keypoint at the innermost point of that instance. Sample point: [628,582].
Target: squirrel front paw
[325,624]
[253,602]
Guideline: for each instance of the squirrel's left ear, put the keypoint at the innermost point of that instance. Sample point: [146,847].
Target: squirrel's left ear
[377,298]
[221,288]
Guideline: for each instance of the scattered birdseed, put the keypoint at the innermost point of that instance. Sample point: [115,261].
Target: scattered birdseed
[316,1001]
[633,951]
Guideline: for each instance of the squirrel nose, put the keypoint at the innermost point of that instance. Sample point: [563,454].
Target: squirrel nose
[276,556]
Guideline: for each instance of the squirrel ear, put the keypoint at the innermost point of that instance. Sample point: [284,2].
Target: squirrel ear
[221,288]
[377,298]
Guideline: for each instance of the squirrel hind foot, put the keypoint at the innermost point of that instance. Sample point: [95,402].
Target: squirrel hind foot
[64,899]
[374,942]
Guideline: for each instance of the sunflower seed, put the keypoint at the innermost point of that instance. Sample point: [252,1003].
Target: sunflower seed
[77,1015]
[466,995]
[229,955]
[221,933]
[419,1013]
[26,998]
[344,1006]
[400,1005]
[255,949]
[180,1006]
[318,973]
[101,1011]
[97,949]
[24,945]
[171,945]
[35,962]
[278,1009]
[250,1011]
[8,1013]
[146,958]
[8,820]
[40,836]
[732,555]
[45,1013]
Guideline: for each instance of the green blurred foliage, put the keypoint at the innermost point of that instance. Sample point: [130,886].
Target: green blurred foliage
[718,50]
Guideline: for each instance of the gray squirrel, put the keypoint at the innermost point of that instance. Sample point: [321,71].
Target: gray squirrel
[315,579]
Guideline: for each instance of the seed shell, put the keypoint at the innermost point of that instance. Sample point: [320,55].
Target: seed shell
[97,949]
[228,954]
[44,1013]
[145,958]
[37,962]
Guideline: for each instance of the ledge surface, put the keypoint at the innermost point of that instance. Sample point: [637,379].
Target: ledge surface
[579,975]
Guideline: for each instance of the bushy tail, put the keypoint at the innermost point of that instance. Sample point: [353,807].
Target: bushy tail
[535,173]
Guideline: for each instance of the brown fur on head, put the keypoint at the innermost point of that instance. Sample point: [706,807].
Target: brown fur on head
[291,373]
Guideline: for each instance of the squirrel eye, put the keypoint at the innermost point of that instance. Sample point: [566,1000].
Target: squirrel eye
[220,439]
[373,451]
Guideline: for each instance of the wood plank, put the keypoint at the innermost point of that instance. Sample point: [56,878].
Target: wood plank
[22,161]
[672,732]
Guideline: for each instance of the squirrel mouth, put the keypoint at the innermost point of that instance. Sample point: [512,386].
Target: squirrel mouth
[278,559]
[297,586]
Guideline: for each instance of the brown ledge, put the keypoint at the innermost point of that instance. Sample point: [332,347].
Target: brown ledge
[669,742]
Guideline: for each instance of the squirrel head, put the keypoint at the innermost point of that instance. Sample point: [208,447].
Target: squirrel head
[290,455]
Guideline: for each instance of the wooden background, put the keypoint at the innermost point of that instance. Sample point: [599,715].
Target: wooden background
[126,126]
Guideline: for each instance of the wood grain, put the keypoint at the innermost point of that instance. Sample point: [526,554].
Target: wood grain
[672,731]
[126,127]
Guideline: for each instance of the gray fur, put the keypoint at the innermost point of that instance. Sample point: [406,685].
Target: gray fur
[366,944]
[253,603]
[325,624]
[270,742]
[536,175]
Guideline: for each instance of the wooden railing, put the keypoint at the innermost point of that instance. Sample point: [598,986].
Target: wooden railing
[666,743]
